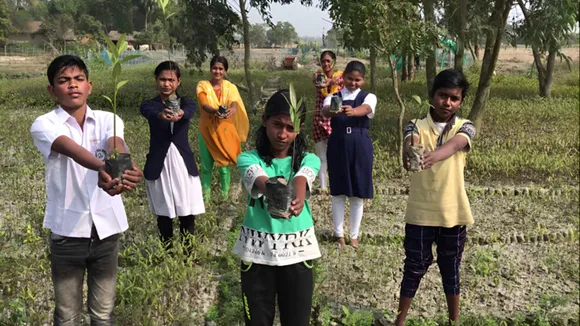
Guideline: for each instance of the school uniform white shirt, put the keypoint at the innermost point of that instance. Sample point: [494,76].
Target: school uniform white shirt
[370,99]
[74,201]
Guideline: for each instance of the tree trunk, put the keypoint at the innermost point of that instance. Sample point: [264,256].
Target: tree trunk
[430,63]
[545,75]
[492,47]
[477,51]
[401,113]
[146,15]
[411,67]
[404,71]
[461,35]
[472,52]
[549,78]
[373,59]
[247,54]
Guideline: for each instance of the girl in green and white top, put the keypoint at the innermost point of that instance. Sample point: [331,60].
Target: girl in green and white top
[277,253]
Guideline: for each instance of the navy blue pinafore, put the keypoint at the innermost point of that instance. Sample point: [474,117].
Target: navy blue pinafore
[350,154]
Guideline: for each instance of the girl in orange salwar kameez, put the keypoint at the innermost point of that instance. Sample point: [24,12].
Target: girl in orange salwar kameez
[221,131]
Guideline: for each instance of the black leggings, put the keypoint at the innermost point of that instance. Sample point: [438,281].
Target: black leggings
[294,286]
[165,224]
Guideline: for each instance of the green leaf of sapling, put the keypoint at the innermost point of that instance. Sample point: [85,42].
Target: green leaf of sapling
[116,70]
[417,99]
[130,57]
[121,84]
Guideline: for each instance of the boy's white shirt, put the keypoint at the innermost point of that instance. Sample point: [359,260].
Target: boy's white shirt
[74,200]
[370,99]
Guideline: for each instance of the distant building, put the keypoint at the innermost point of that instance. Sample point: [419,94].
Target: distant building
[115,35]
[31,33]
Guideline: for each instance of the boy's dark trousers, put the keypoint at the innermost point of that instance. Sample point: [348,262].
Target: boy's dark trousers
[70,258]
[294,286]
[419,256]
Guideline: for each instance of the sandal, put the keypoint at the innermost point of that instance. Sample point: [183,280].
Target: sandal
[340,241]
[354,243]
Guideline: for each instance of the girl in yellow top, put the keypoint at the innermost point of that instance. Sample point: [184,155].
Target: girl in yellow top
[222,130]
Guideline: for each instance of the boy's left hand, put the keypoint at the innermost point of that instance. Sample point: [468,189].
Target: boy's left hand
[132,177]
[430,158]
[112,186]
[296,207]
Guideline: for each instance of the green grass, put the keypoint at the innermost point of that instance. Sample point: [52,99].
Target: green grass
[525,141]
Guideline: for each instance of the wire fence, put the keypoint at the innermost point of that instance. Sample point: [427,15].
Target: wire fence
[21,53]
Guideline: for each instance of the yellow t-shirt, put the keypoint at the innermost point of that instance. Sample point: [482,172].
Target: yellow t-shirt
[437,196]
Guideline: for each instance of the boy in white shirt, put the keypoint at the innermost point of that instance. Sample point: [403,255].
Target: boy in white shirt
[85,221]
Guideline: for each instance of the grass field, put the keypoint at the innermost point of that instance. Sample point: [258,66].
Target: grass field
[520,264]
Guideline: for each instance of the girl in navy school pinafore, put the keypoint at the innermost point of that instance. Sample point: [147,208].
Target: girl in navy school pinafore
[350,153]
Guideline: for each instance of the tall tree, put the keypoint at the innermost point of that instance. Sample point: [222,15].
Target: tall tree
[258,35]
[430,63]
[148,6]
[547,25]
[333,38]
[247,54]
[462,25]
[283,33]
[498,22]
[390,27]
[204,27]
[6,27]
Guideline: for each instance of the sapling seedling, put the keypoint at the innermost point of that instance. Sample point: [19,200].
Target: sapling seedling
[174,104]
[335,103]
[320,79]
[281,190]
[223,110]
[117,163]
[415,151]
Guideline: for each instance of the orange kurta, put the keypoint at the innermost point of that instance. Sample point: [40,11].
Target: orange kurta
[223,137]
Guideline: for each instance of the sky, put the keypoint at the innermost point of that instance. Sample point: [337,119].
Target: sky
[310,21]
[307,21]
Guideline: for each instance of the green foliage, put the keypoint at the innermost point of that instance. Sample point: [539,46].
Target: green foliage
[333,38]
[258,35]
[155,35]
[89,26]
[206,27]
[357,318]
[283,33]
[6,27]
[550,23]
[486,262]
[391,27]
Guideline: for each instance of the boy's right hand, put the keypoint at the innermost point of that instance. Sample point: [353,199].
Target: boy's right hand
[108,184]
